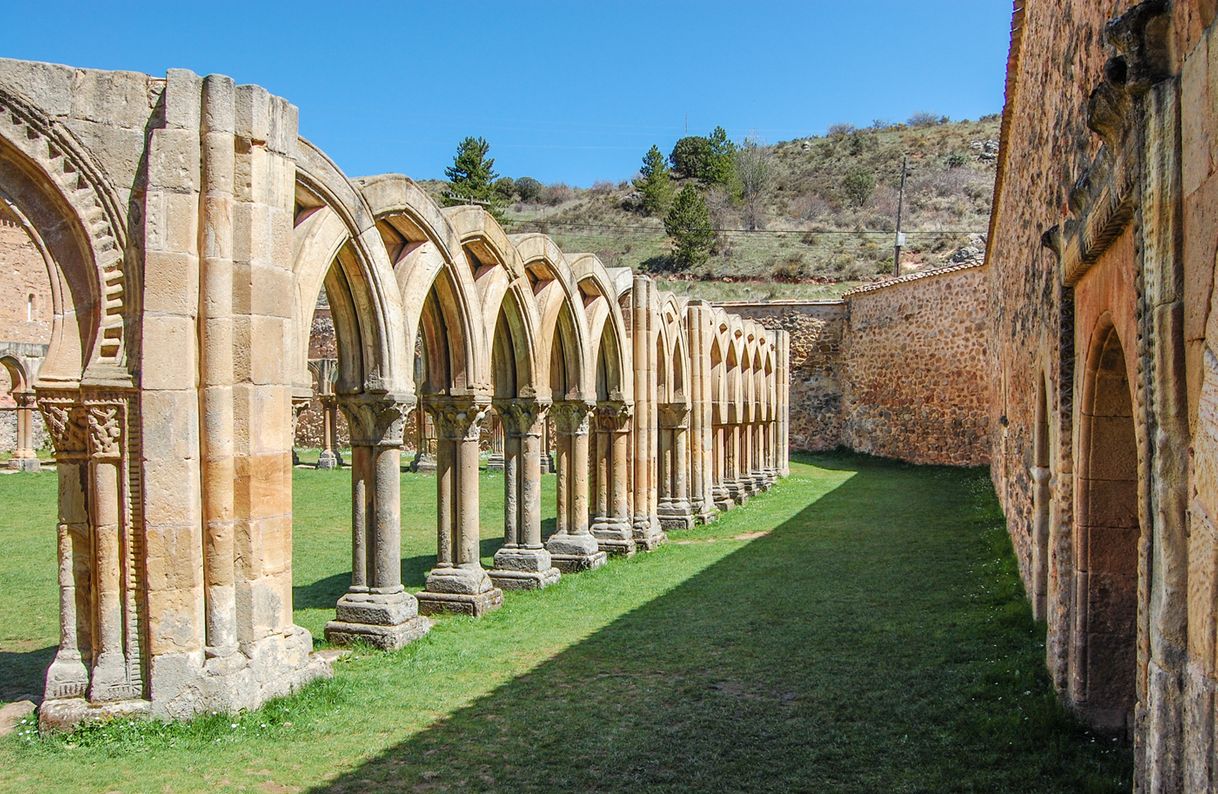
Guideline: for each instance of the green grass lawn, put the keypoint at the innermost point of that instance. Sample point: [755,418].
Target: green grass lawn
[859,628]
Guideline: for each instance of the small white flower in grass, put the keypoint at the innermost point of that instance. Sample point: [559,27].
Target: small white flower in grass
[233,726]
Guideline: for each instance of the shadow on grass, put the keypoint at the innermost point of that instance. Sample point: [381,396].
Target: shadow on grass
[866,644]
[325,592]
[23,673]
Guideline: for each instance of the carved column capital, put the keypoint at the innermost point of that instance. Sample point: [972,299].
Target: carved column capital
[105,423]
[299,406]
[571,417]
[325,370]
[457,418]
[674,415]
[376,421]
[613,415]
[524,416]
[65,422]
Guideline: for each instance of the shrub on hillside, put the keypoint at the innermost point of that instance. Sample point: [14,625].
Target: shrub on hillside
[923,119]
[556,194]
[691,156]
[857,185]
[688,223]
[528,189]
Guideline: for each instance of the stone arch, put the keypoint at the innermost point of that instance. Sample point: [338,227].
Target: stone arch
[73,216]
[607,330]
[336,246]
[435,281]
[562,326]
[1107,537]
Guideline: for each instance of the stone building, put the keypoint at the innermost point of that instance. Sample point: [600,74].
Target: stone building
[25,331]
[188,233]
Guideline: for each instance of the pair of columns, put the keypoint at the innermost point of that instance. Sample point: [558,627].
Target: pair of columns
[99,647]
[745,463]
[611,522]
[24,457]
[329,457]
[673,462]
[573,547]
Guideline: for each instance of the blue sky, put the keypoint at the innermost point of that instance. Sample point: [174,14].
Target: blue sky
[564,91]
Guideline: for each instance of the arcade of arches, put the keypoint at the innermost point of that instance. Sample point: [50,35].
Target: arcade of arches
[178,359]
[185,238]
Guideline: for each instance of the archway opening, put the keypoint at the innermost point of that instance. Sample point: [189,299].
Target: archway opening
[1108,531]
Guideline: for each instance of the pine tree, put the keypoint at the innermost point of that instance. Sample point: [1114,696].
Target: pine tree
[653,183]
[472,176]
[688,224]
[722,166]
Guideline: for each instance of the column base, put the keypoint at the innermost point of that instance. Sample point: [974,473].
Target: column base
[613,536]
[738,492]
[494,463]
[472,604]
[385,621]
[423,462]
[524,580]
[647,533]
[25,464]
[547,464]
[387,638]
[327,460]
[721,499]
[676,515]
[67,676]
[575,553]
[459,590]
[521,568]
[64,715]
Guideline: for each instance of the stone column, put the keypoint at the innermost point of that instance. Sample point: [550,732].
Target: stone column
[495,461]
[701,445]
[522,563]
[299,406]
[376,608]
[425,442]
[458,583]
[675,511]
[784,403]
[612,527]
[547,445]
[328,459]
[106,420]
[644,331]
[24,457]
[68,676]
[719,490]
[573,547]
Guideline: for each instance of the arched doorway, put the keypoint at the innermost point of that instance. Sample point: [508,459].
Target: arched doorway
[1106,542]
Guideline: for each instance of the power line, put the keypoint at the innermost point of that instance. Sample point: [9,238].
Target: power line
[660,229]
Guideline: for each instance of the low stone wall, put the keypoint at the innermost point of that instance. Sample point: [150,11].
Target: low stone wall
[897,369]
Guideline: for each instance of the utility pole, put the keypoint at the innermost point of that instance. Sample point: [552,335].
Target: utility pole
[900,240]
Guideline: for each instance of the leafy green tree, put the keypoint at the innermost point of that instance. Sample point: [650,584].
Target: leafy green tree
[691,157]
[528,188]
[722,167]
[653,183]
[472,176]
[858,185]
[688,224]
[505,188]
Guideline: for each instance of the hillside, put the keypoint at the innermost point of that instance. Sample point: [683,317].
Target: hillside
[813,237]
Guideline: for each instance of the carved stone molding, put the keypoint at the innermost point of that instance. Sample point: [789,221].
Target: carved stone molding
[106,421]
[674,415]
[457,418]
[65,423]
[1104,198]
[571,417]
[612,415]
[523,416]
[376,421]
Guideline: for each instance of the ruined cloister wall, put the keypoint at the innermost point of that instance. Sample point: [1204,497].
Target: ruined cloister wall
[917,370]
[899,369]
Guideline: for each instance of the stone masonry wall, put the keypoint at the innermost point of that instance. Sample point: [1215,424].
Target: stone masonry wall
[916,355]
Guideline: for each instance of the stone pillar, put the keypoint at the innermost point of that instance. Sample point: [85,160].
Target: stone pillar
[522,563]
[644,331]
[376,608]
[299,406]
[784,400]
[112,677]
[547,446]
[328,459]
[573,547]
[735,470]
[612,526]
[458,583]
[719,490]
[701,444]
[675,511]
[68,676]
[425,442]
[495,461]
[24,457]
